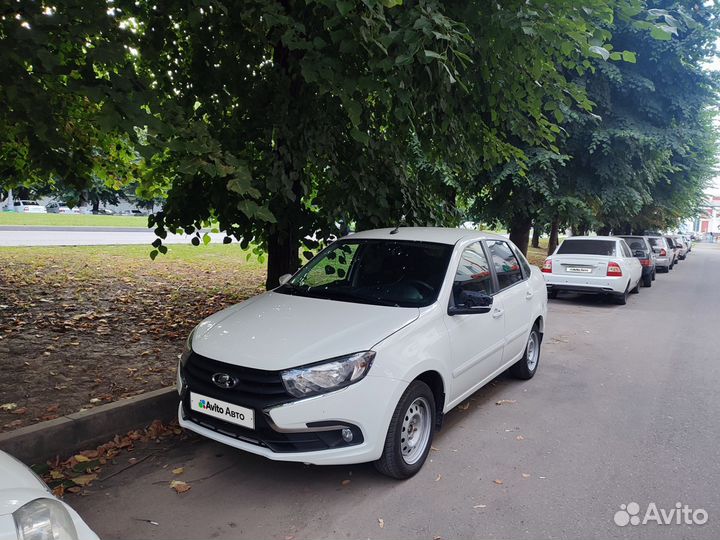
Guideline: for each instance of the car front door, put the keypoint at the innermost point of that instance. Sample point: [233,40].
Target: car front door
[515,294]
[476,340]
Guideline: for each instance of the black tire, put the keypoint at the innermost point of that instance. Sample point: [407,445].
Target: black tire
[636,289]
[552,294]
[391,462]
[525,369]
[647,280]
[621,299]
[653,274]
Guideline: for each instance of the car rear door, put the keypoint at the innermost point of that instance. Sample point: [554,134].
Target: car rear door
[476,340]
[515,294]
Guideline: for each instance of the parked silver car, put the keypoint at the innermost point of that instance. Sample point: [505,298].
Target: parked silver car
[664,254]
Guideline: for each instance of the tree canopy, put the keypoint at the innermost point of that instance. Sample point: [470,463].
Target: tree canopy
[285,121]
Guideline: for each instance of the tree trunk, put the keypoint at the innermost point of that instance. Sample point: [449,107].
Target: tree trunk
[554,231]
[535,236]
[282,250]
[520,233]
[604,230]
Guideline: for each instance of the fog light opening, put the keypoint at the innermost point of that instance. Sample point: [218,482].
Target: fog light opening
[347,435]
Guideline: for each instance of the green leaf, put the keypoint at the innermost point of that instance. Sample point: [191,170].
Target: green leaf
[206,239]
[433,54]
[344,6]
[629,56]
[153,254]
[600,51]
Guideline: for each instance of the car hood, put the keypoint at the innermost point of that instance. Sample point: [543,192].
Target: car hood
[19,484]
[275,331]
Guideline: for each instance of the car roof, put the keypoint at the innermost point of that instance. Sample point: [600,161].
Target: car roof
[611,238]
[438,235]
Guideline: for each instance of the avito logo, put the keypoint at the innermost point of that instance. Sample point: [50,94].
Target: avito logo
[629,514]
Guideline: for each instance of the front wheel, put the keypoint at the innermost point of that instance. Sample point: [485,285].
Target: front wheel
[526,367]
[410,434]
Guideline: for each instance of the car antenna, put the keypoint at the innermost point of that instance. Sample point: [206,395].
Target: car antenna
[397,227]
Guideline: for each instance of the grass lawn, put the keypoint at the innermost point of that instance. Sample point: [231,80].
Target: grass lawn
[72,220]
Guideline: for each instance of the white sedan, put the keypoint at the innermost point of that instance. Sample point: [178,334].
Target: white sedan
[29,207]
[28,511]
[593,265]
[358,356]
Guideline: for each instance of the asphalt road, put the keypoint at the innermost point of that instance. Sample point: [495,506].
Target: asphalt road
[18,235]
[624,409]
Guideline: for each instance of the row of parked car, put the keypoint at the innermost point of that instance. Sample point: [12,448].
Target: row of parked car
[614,266]
[23,206]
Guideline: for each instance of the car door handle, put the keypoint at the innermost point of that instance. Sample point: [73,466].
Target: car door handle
[497,313]
[529,295]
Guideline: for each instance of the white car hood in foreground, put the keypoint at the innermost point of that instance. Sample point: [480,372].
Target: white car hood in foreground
[19,486]
[277,331]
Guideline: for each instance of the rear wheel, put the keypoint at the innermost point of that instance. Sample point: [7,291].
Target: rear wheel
[653,274]
[621,299]
[552,294]
[526,367]
[636,289]
[410,434]
[647,280]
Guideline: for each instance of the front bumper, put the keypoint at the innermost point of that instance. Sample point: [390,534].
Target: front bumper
[309,430]
[585,284]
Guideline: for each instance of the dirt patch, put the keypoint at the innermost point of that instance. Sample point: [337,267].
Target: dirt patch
[80,327]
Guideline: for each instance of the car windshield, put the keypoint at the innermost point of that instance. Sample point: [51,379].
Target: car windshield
[379,272]
[577,246]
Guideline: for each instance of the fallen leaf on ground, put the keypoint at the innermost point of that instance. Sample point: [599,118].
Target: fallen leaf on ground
[437,537]
[179,470]
[498,482]
[81,459]
[439,476]
[345,482]
[520,438]
[8,406]
[464,406]
[525,475]
[434,449]
[505,402]
[84,479]
[381,523]
[480,506]
[179,486]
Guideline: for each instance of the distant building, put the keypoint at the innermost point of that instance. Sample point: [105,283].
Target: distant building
[709,221]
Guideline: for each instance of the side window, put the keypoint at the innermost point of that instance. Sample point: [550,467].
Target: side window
[507,266]
[473,273]
[625,249]
[524,264]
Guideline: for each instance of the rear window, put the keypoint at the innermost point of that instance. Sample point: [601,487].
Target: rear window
[587,247]
[635,242]
[656,242]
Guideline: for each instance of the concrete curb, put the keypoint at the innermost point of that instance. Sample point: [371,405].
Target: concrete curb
[87,429]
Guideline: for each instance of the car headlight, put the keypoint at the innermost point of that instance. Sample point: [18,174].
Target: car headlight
[327,376]
[44,519]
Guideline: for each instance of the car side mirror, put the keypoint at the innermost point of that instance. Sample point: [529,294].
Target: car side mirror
[471,302]
[284,279]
